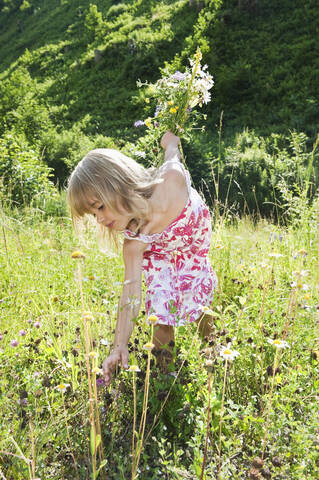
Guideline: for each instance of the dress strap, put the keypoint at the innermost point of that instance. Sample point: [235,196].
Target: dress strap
[165,166]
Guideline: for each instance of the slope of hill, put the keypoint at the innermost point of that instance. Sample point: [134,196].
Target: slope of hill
[69,69]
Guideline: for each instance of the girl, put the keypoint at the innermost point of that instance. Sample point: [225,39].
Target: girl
[167,233]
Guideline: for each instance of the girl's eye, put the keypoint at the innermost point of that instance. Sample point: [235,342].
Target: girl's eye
[100,207]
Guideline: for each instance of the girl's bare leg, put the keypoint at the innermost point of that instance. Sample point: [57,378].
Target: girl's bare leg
[163,339]
[206,325]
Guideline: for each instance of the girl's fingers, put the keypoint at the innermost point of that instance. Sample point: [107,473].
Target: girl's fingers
[110,364]
[125,360]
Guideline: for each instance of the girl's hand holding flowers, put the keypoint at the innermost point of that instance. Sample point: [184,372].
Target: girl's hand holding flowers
[176,95]
[169,140]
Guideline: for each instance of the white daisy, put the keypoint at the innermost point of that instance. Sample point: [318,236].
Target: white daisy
[133,368]
[227,354]
[280,344]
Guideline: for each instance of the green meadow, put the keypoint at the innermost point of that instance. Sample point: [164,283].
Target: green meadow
[241,403]
[268,290]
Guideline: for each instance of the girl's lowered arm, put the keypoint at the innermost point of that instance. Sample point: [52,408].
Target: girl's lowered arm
[130,300]
[129,306]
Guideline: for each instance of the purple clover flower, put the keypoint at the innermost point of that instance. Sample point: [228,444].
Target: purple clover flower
[157,111]
[138,123]
[100,382]
[37,324]
[179,76]
[1,336]
[14,343]
[22,333]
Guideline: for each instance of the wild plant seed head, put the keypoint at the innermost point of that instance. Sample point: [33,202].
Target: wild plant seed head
[97,371]
[207,311]
[152,319]
[209,364]
[77,254]
[93,354]
[301,273]
[148,346]
[275,255]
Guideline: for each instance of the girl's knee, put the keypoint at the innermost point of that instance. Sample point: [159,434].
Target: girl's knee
[206,325]
[163,336]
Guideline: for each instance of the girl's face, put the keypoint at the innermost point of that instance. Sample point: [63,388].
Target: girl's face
[108,217]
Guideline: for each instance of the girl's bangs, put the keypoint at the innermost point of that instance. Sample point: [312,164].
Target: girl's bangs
[78,200]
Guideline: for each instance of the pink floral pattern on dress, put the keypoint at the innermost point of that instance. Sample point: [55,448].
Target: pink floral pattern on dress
[179,278]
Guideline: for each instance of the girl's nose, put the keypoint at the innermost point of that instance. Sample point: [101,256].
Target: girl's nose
[99,218]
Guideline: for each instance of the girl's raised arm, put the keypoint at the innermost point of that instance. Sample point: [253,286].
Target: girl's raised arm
[170,144]
[128,307]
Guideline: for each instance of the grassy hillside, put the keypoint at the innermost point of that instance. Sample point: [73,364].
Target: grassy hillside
[264,55]
[69,72]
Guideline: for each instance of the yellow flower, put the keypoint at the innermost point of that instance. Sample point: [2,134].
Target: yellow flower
[148,122]
[87,316]
[148,346]
[173,109]
[207,311]
[77,254]
[152,319]
[147,100]
[198,55]
[219,247]
[170,103]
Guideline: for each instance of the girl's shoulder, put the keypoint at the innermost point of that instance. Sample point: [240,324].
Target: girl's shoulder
[167,202]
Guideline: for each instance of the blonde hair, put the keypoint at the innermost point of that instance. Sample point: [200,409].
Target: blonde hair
[113,178]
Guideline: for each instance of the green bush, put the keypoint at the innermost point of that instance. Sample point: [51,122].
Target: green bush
[23,176]
[253,173]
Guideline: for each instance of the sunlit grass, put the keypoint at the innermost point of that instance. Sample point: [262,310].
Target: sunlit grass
[268,290]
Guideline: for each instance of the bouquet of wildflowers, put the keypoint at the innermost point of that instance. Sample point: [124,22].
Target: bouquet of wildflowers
[176,97]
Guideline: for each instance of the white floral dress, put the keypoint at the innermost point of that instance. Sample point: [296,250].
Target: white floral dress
[177,272]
